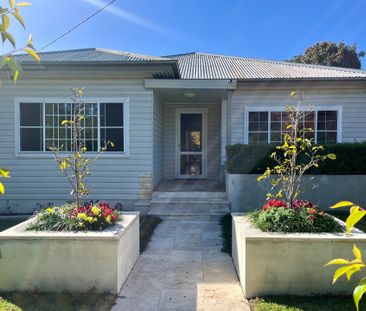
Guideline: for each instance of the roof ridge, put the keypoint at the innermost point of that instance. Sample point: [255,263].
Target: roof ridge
[113,51]
[287,63]
[67,50]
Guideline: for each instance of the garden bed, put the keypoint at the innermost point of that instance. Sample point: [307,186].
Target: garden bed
[289,264]
[73,261]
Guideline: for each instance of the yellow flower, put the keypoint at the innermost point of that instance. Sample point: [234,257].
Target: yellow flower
[82,215]
[90,219]
[50,210]
[96,210]
[108,219]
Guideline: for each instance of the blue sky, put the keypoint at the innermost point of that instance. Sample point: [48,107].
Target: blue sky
[253,28]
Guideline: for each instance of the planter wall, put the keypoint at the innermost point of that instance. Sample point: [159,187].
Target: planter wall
[246,193]
[77,262]
[290,264]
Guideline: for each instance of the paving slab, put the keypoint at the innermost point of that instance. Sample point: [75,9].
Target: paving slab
[183,269]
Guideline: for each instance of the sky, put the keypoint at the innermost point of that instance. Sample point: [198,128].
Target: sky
[266,29]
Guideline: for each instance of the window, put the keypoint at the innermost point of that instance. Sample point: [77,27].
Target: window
[270,126]
[40,126]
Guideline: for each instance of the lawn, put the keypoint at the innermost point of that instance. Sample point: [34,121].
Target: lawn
[315,303]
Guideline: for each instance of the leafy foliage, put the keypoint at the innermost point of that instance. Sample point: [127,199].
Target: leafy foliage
[297,142]
[71,218]
[331,54]
[303,216]
[254,159]
[350,267]
[7,306]
[75,165]
[6,59]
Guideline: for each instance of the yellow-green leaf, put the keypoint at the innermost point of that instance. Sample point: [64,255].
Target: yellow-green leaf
[358,292]
[12,3]
[63,165]
[354,218]
[32,53]
[19,18]
[342,204]
[30,41]
[19,4]
[340,271]
[4,173]
[63,122]
[357,252]
[6,22]
[2,188]
[338,261]
[10,38]
[293,93]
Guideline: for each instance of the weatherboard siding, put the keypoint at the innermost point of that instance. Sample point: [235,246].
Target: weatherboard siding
[352,101]
[158,140]
[35,179]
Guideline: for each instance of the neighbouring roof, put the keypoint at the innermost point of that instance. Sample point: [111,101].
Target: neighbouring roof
[204,66]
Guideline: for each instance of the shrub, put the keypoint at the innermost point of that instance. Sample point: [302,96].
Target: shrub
[302,216]
[69,218]
[254,159]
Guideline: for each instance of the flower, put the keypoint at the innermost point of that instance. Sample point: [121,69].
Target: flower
[302,204]
[108,219]
[50,210]
[274,203]
[81,216]
[90,219]
[96,210]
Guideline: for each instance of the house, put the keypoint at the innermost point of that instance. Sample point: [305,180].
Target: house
[169,117]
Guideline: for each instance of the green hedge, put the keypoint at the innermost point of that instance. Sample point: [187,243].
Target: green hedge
[254,159]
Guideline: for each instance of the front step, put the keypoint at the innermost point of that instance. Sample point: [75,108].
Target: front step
[187,204]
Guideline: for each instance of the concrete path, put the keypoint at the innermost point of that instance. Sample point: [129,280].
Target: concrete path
[183,269]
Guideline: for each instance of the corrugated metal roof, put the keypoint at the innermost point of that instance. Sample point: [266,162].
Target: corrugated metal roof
[210,66]
[91,55]
[205,66]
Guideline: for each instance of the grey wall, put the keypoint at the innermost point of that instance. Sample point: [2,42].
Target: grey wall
[36,179]
[352,99]
[213,141]
[158,140]
[246,193]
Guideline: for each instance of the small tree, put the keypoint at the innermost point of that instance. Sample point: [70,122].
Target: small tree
[6,59]
[75,165]
[296,155]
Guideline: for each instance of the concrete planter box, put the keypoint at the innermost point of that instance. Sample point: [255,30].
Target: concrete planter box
[290,264]
[246,193]
[77,262]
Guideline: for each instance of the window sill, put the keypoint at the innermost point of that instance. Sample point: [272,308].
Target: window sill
[42,155]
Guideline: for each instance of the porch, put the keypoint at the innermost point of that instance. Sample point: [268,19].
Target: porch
[185,185]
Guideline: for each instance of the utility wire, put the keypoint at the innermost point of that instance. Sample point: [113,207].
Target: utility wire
[76,26]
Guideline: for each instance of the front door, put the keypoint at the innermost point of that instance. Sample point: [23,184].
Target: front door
[191,143]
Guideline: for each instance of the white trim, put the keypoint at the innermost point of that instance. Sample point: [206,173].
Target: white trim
[248,109]
[42,154]
[178,112]
[226,84]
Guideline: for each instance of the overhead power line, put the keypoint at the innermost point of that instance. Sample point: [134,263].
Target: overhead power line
[76,26]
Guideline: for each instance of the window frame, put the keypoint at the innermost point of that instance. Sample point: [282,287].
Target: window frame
[270,109]
[54,100]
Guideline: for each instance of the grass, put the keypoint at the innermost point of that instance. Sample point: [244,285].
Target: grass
[148,224]
[59,301]
[313,303]
[225,223]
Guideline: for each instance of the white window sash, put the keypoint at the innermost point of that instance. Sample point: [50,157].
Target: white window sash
[99,100]
[316,109]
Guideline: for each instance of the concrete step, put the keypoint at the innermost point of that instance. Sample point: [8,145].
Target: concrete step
[206,201]
[188,195]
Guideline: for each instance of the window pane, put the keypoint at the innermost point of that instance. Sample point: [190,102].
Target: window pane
[276,126]
[113,135]
[111,114]
[253,116]
[331,125]
[191,132]
[31,139]
[331,115]
[30,114]
[190,164]
[276,116]
[331,137]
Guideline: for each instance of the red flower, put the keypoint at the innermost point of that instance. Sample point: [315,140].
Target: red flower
[274,203]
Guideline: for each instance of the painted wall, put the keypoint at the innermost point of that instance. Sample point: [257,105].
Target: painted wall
[352,99]
[246,193]
[158,140]
[36,180]
[213,139]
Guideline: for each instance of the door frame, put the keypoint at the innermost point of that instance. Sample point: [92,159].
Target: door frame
[178,113]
